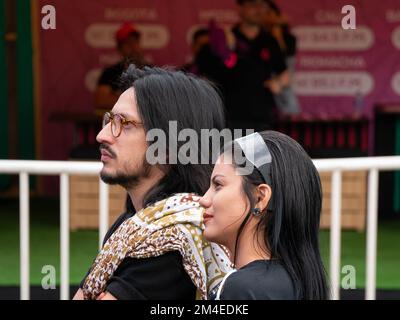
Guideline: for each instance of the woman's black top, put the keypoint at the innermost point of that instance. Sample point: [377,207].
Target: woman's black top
[259,280]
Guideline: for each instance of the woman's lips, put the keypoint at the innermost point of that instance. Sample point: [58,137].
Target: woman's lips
[207,217]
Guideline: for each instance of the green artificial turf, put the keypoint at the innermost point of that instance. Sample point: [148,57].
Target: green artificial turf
[45,243]
[83,247]
[353,252]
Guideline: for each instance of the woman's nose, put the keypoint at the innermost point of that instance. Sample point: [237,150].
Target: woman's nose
[205,200]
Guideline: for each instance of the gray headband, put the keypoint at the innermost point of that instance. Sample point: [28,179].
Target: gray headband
[257,153]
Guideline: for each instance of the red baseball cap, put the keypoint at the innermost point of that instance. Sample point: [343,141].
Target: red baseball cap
[125,30]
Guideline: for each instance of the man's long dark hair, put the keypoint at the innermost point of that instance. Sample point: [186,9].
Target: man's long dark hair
[291,227]
[164,95]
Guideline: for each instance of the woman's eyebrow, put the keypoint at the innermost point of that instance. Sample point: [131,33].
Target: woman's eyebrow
[216,176]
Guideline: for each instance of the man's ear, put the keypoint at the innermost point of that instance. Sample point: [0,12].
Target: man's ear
[264,194]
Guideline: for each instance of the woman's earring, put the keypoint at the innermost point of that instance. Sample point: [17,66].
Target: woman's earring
[256,211]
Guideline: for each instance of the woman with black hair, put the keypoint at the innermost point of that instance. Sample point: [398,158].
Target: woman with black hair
[266,211]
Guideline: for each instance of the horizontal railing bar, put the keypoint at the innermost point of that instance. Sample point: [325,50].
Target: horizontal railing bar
[50,167]
[92,167]
[358,164]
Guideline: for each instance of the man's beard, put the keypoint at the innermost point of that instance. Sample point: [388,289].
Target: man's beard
[127,180]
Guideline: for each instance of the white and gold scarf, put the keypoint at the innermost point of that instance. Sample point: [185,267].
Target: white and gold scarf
[172,224]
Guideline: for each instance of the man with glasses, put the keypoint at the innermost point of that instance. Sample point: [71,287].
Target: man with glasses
[137,260]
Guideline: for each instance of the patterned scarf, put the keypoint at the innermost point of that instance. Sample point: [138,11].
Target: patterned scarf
[172,224]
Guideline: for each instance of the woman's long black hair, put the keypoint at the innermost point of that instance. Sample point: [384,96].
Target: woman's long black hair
[291,223]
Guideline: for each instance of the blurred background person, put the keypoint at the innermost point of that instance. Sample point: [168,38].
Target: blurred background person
[248,65]
[128,44]
[277,25]
[200,39]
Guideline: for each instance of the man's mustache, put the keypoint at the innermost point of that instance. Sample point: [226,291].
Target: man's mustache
[108,149]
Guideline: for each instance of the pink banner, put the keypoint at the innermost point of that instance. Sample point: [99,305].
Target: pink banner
[336,69]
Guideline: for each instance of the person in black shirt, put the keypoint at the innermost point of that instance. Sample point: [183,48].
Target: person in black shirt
[108,91]
[277,24]
[152,97]
[248,65]
[199,40]
[259,280]
[266,211]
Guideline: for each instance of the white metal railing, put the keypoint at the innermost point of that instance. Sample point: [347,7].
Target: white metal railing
[65,168]
[373,165]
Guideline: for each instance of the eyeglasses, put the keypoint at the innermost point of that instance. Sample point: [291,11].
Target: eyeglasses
[117,123]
